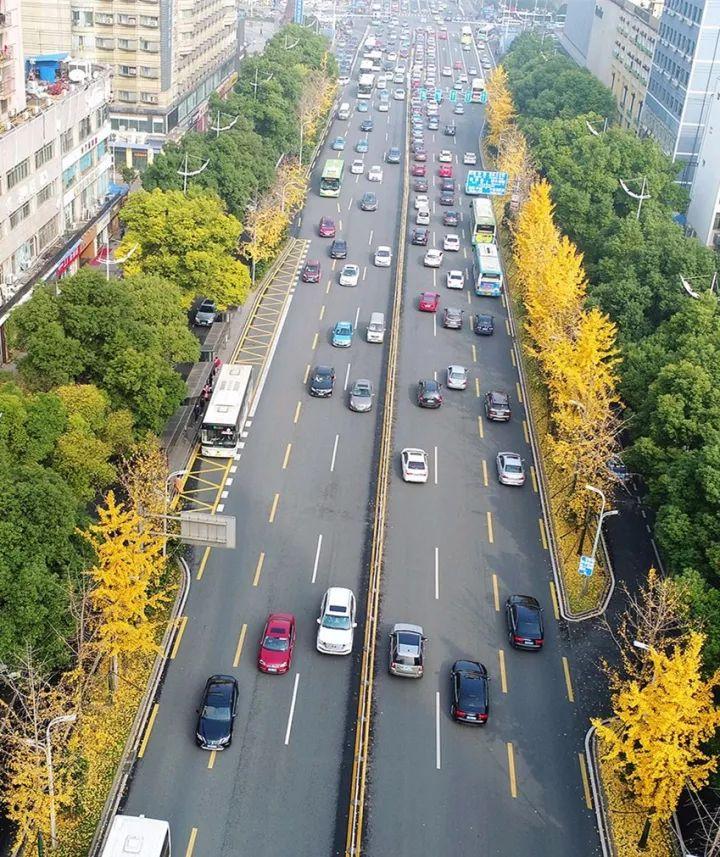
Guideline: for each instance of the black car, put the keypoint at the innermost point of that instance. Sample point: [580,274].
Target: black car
[469,693]
[483,324]
[393,155]
[523,615]
[322,381]
[450,129]
[419,236]
[366,125]
[216,714]
[428,394]
[338,249]
[452,318]
[368,202]
[420,185]
[206,313]
[311,272]
[497,406]
[447,185]
[451,218]
[447,198]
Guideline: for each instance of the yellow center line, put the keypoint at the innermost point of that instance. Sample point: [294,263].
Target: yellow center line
[241,643]
[519,391]
[525,432]
[181,623]
[477,387]
[297,412]
[211,760]
[568,683]
[276,500]
[307,374]
[512,356]
[191,842]
[503,676]
[258,568]
[511,769]
[585,781]
[553,598]
[287,456]
[485,476]
[474,353]
[490,527]
[533,476]
[148,730]
[542,533]
[203,563]
[480,427]
[496,593]
[315,341]
[507,327]
[322,312]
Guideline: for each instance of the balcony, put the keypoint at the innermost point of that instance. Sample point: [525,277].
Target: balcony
[7,55]
[6,20]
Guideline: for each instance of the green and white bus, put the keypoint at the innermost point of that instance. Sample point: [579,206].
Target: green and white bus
[331,178]
[483,231]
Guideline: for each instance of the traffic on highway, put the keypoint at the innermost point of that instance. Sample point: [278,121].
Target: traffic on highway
[252,745]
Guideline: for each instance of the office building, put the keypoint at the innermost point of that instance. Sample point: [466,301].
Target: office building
[577,29]
[12,81]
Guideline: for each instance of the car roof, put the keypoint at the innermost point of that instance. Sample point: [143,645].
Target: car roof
[499,395]
[456,367]
[510,456]
[279,623]
[339,596]
[321,369]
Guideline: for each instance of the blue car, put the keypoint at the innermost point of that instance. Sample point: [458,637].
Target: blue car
[342,334]
[361,146]
[362,107]
[338,144]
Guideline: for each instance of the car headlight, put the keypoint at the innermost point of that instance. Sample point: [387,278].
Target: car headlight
[262,663]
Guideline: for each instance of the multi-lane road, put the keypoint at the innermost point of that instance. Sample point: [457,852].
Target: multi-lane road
[302,493]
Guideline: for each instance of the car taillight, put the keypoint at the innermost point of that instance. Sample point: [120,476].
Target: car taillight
[482,717]
[460,713]
[519,639]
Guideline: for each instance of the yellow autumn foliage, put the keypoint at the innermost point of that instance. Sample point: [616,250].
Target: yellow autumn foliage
[500,109]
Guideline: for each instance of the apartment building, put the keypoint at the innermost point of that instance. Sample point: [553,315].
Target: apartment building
[12,81]
[167,56]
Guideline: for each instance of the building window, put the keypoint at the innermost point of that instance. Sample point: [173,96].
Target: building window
[46,193]
[18,173]
[85,127]
[45,154]
[127,70]
[150,47]
[67,141]
[20,214]
[624,96]
[47,232]
[82,18]
[68,177]
[148,21]
[127,20]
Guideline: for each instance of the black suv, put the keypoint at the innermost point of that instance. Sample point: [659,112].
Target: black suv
[419,236]
[338,249]
[322,381]
[497,406]
[216,714]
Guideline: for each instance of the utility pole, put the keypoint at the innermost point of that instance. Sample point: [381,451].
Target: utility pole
[257,83]
[186,174]
[216,127]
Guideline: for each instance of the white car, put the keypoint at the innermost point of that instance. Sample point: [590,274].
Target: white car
[432,109]
[433,258]
[349,275]
[470,158]
[445,156]
[336,623]
[399,94]
[399,77]
[451,242]
[357,168]
[414,465]
[456,378]
[421,201]
[455,279]
[422,218]
[459,110]
[383,107]
[446,71]
[463,78]
[383,257]
[375,174]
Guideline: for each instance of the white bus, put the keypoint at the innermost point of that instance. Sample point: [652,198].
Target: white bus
[227,411]
[365,85]
[466,35]
[139,836]
[487,270]
[477,87]
[483,226]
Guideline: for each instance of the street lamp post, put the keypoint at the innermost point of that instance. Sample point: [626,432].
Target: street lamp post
[640,197]
[601,517]
[172,477]
[686,283]
[115,261]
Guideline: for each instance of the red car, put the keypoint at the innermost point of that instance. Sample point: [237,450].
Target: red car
[457,65]
[326,229]
[277,644]
[429,301]
[311,272]
[418,170]
[445,171]
[421,156]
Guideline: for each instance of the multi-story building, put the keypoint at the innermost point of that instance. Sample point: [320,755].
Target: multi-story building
[167,57]
[12,81]
[575,36]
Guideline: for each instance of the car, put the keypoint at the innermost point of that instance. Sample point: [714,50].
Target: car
[486,64]
[510,468]
[399,94]
[618,470]
[393,155]
[456,377]
[418,137]
[445,156]
[451,242]
[361,396]
[497,406]
[429,301]
[326,229]
[362,107]
[447,185]
[338,144]
[383,257]
[311,271]
[457,65]
[407,644]
[420,185]
[338,249]
[417,146]
[469,693]
[349,275]
[419,236]
[336,623]
[433,123]
[398,77]
[375,173]
[418,170]
[342,334]
[455,279]
[470,158]
[322,382]
[367,125]
[447,198]
[428,393]
[483,324]
[421,201]
[368,201]
[357,168]
[472,71]
[206,313]
[463,78]
[277,644]
[446,71]
[433,258]
[450,129]
[451,218]
[216,714]
[457,86]
[459,110]
[452,318]
[445,171]
[422,218]
[361,147]
[414,464]
[383,106]
[420,156]
[523,615]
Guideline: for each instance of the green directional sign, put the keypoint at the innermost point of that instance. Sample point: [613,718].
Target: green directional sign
[483,97]
[423,94]
[467,96]
[438,95]
[453,96]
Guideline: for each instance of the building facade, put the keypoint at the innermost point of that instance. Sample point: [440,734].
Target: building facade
[12,80]
[577,29]
[599,56]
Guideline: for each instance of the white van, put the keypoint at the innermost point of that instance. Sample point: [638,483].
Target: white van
[376,327]
[381,82]
[343,111]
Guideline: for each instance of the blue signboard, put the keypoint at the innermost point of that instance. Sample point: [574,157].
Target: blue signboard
[486,183]
[299,13]
[586,566]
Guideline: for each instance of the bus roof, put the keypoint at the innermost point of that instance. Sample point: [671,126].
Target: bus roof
[333,168]
[136,836]
[366,78]
[488,256]
[478,83]
[228,395]
[482,209]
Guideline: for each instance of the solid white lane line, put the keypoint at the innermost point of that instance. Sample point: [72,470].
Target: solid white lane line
[371,237]
[357,317]
[292,709]
[364,273]
[350,203]
[317,558]
[437,730]
[347,376]
[436,466]
[334,453]
[437,574]
[434,324]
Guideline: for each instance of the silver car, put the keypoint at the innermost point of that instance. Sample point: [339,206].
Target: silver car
[510,468]
[361,396]
[407,644]
[456,377]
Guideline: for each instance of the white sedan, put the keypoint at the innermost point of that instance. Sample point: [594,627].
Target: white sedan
[357,168]
[421,201]
[399,94]
[445,156]
[470,158]
[447,71]
[433,258]
[455,279]
[451,242]
[383,257]
[375,174]
[349,275]
[456,378]
[414,465]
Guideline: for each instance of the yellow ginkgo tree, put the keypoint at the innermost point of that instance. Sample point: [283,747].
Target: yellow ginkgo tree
[500,107]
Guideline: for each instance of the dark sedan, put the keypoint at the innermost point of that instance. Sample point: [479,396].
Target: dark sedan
[447,198]
[428,394]
[420,185]
[419,236]
[523,615]
[452,318]
[322,381]
[216,714]
[393,155]
[469,694]
[451,218]
[368,201]
[338,249]
[366,125]
[483,324]
[450,130]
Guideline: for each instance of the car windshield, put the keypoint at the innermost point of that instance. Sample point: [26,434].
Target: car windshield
[456,374]
[218,714]
[361,390]
[512,466]
[338,623]
[416,464]
[276,644]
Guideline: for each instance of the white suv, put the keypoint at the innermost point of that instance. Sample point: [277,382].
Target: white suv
[336,623]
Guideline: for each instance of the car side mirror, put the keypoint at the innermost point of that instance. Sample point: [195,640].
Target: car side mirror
[318,620]
[354,624]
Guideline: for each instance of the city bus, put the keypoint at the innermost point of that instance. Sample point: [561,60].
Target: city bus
[331,177]
[477,87]
[227,411]
[466,36]
[487,270]
[365,85]
[483,221]
[139,836]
